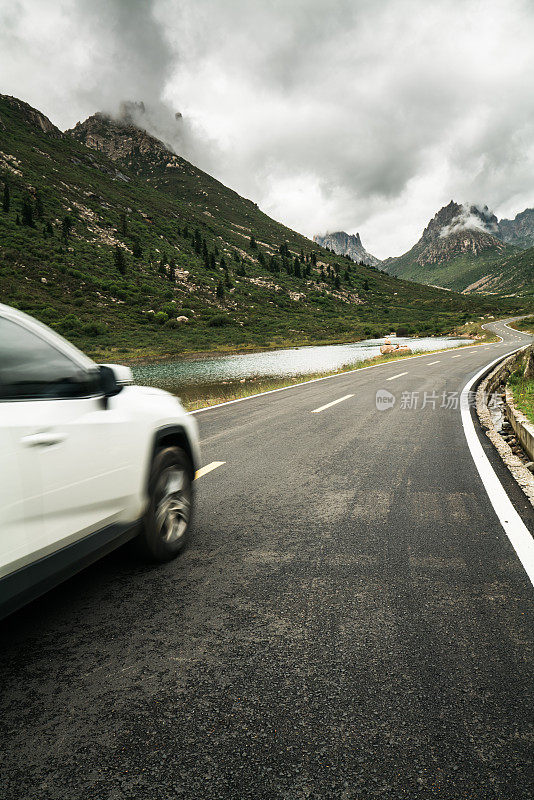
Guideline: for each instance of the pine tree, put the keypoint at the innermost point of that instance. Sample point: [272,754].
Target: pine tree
[261,258]
[301,256]
[186,232]
[252,242]
[337,282]
[220,290]
[284,250]
[27,212]
[213,265]
[66,227]
[161,267]
[223,263]
[39,211]
[205,254]
[313,260]
[17,220]
[6,200]
[137,250]
[49,228]
[123,225]
[172,270]
[296,267]
[120,260]
[197,242]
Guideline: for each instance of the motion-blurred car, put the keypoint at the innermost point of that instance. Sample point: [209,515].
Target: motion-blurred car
[87,461]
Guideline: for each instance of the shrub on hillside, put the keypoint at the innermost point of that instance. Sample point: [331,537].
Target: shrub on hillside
[93,329]
[219,321]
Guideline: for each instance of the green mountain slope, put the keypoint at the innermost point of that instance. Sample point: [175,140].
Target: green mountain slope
[515,273]
[131,251]
[468,271]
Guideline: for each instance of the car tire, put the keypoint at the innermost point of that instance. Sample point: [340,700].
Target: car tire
[167,521]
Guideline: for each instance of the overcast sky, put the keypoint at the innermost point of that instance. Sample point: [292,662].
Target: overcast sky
[361,115]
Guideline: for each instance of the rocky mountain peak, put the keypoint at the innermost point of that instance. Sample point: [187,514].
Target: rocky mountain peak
[520,230]
[345,244]
[124,141]
[455,218]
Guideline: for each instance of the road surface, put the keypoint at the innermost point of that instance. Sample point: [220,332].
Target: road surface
[350,620]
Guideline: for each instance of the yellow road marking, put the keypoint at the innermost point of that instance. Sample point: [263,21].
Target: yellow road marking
[208,468]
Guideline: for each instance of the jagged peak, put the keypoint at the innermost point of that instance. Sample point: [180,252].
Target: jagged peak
[344,243]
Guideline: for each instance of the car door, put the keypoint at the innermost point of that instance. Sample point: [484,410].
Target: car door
[76,448]
[20,499]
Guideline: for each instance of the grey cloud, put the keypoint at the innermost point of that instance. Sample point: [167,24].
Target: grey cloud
[348,114]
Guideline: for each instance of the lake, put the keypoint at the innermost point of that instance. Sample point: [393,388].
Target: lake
[273,363]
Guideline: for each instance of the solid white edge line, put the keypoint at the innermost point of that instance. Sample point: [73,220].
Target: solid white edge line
[337,375]
[333,403]
[514,527]
[399,375]
[208,468]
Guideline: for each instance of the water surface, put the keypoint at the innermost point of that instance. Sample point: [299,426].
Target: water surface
[275,363]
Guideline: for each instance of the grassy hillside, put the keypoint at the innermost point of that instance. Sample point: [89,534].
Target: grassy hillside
[518,270]
[457,273]
[511,272]
[111,253]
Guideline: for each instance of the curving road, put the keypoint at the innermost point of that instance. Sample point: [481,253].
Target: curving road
[350,622]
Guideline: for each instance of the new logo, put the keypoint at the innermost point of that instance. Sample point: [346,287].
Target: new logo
[384,400]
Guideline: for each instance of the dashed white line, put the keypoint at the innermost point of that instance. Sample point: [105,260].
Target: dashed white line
[208,468]
[400,374]
[333,403]
[456,356]
[432,362]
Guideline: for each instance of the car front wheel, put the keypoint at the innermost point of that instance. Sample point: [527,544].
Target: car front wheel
[168,517]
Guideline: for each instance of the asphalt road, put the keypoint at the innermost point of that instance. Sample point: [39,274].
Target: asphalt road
[350,620]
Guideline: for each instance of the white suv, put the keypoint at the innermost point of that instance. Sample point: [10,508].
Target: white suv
[87,461]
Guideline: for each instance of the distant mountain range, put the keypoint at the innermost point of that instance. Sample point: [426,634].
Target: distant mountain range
[345,244]
[466,248]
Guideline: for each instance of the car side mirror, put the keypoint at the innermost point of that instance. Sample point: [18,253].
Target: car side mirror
[113,379]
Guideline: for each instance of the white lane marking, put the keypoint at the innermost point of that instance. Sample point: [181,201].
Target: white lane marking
[456,356]
[513,525]
[432,362]
[327,378]
[333,403]
[208,468]
[400,374]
